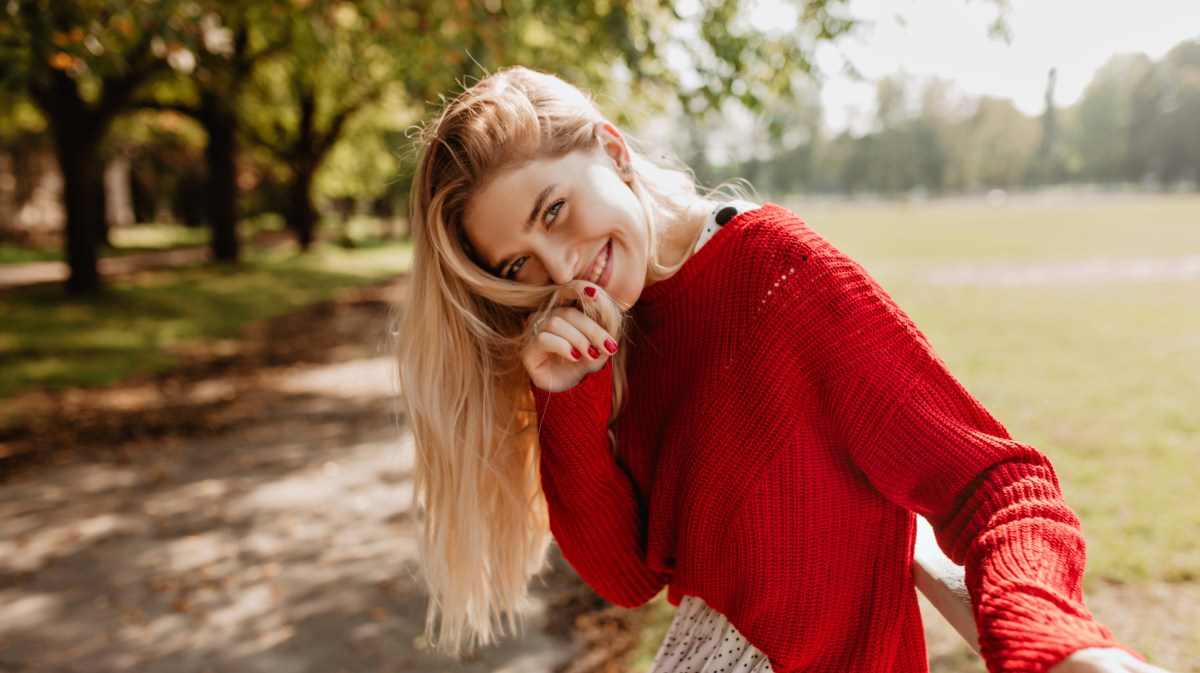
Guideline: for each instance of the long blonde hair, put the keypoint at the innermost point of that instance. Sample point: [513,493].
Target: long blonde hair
[482,521]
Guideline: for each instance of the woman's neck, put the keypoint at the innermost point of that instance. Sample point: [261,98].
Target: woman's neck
[680,236]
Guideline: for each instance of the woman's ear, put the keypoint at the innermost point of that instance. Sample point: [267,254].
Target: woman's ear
[613,144]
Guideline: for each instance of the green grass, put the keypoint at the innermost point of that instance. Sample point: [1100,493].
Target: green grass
[53,341]
[24,254]
[153,236]
[1102,377]
[125,241]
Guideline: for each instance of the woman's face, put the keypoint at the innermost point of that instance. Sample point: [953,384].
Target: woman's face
[552,221]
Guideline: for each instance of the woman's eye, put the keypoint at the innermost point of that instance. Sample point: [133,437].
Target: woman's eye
[513,268]
[552,212]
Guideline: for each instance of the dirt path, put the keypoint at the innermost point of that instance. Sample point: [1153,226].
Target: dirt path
[247,513]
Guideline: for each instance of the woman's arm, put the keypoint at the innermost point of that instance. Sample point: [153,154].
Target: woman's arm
[595,511]
[943,583]
[926,444]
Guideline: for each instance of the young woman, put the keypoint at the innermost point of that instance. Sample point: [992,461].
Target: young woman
[699,396]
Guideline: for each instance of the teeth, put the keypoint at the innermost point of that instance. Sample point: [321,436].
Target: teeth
[599,267]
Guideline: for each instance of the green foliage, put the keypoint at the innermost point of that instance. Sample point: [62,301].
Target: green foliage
[92,41]
[1137,122]
[1164,139]
[19,119]
[1104,117]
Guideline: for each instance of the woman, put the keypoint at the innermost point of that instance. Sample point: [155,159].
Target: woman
[699,396]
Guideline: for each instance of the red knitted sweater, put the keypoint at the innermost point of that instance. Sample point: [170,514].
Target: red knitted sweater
[785,419]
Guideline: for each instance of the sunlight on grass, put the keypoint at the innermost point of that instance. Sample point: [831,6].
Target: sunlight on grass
[155,236]
[52,341]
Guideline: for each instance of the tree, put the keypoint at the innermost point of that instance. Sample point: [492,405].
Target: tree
[1100,135]
[343,57]
[1164,134]
[994,146]
[81,62]
[1048,165]
[231,38]
[339,58]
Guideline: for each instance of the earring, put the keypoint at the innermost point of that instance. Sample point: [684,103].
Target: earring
[627,169]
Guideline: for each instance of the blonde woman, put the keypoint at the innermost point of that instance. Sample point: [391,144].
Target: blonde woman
[703,397]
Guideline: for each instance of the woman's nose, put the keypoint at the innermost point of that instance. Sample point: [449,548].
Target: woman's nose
[560,263]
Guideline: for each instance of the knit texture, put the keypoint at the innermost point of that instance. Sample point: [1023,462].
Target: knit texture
[784,421]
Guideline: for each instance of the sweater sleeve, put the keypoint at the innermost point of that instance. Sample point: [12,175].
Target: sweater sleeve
[595,512]
[928,445]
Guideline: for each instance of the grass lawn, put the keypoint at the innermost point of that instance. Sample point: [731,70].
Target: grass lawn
[1102,376]
[52,341]
[125,241]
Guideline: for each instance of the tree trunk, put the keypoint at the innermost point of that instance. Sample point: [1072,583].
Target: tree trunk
[99,197]
[77,161]
[219,155]
[302,214]
[77,132]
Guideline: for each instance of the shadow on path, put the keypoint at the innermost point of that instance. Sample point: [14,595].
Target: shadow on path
[260,523]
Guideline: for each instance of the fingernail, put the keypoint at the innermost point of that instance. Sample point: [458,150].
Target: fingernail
[610,345]
[590,291]
[575,354]
[593,352]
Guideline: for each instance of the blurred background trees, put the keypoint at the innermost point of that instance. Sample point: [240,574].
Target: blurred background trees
[300,112]
[275,87]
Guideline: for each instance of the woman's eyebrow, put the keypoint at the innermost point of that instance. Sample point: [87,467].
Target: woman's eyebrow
[537,206]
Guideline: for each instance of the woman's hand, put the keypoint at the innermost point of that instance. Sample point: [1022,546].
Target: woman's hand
[565,346]
[1103,660]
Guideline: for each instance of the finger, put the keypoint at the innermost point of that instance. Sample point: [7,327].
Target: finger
[559,325]
[574,326]
[597,336]
[551,343]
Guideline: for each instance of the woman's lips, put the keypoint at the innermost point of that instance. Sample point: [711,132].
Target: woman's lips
[608,265]
[599,266]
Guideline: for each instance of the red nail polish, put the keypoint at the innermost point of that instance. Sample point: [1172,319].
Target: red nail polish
[590,291]
[610,345]
[593,352]
[575,354]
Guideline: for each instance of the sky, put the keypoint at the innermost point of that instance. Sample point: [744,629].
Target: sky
[949,39]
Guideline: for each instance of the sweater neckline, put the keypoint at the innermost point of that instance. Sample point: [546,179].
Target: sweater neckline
[674,286]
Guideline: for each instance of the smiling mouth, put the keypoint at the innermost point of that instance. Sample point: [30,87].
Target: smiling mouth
[600,265]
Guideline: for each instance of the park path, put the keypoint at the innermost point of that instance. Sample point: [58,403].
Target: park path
[265,527]
[37,273]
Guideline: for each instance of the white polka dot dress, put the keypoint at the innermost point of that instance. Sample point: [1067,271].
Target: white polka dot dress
[701,640]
